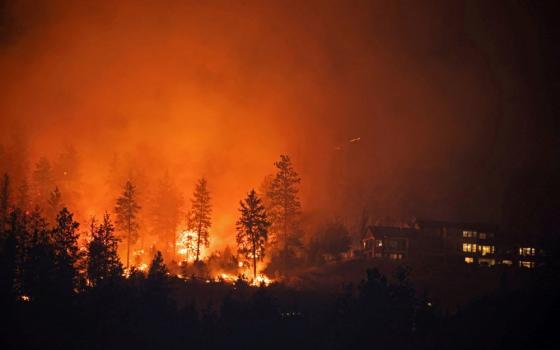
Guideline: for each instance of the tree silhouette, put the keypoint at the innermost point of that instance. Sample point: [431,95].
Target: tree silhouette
[252,229]
[38,269]
[126,210]
[285,206]
[157,270]
[67,254]
[103,262]
[199,216]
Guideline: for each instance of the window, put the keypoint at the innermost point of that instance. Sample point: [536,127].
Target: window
[395,256]
[487,262]
[469,247]
[469,234]
[482,235]
[486,249]
[380,243]
[527,264]
[507,262]
[469,260]
[527,251]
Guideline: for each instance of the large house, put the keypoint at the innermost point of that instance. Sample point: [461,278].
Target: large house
[471,243]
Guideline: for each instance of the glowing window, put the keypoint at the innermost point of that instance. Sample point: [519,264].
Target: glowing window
[527,251]
[527,264]
[482,235]
[507,262]
[469,234]
[469,247]
[469,260]
[486,249]
[487,262]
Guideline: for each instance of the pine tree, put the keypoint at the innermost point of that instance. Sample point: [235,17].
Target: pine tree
[199,216]
[127,209]
[67,254]
[38,271]
[103,262]
[284,202]
[157,270]
[252,229]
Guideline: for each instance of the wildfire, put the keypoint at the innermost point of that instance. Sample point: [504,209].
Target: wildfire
[186,246]
[261,280]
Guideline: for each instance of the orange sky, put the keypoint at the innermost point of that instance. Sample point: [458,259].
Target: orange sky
[221,89]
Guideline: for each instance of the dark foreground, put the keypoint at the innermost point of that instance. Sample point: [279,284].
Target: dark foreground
[159,311]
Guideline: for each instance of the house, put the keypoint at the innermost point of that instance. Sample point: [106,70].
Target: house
[385,242]
[473,243]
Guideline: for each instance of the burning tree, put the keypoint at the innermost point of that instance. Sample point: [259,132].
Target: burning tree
[252,229]
[127,210]
[284,202]
[199,217]
[103,261]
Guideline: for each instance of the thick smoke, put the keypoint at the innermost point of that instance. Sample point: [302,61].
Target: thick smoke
[440,95]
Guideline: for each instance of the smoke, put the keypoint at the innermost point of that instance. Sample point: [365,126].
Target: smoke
[436,92]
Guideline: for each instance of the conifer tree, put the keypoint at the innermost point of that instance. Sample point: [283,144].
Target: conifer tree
[67,254]
[126,210]
[252,229]
[103,262]
[284,201]
[199,216]
[38,271]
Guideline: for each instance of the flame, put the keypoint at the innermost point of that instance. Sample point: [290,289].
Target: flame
[186,246]
[143,267]
[261,280]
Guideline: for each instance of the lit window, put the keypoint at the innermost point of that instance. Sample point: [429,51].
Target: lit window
[507,262]
[482,235]
[380,243]
[527,264]
[487,262]
[395,256]
[527,251]
[469,234]
[469,248]
[469,260]
[486,249]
